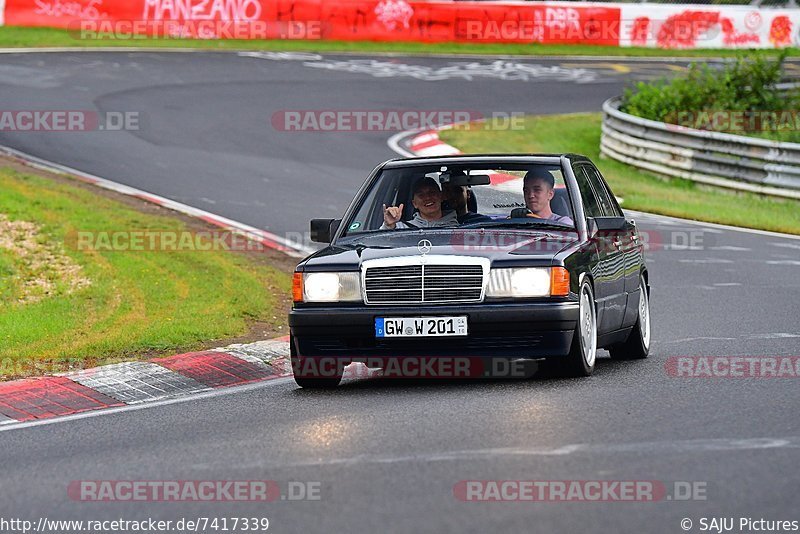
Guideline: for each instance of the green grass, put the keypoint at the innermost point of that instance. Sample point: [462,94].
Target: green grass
[138,303]
[8,285]
[580,133]
[13,37]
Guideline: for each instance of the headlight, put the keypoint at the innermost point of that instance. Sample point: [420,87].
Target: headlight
[327,287]
[528,282]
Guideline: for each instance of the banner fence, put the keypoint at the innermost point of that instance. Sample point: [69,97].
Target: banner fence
[674,26]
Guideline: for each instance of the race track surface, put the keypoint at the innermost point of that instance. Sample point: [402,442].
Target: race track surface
[388,453]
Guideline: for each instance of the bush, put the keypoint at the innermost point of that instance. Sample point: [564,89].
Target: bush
[744,85]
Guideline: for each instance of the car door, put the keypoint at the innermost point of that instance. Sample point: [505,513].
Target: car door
[608,274]
[631,248]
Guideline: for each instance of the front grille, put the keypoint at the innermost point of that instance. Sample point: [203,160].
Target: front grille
[419,284]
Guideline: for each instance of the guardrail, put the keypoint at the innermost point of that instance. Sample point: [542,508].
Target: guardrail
[721,159]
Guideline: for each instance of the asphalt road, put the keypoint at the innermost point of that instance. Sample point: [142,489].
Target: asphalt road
[388,453]
[206,136]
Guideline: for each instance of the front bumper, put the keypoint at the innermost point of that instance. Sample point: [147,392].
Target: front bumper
[504,330]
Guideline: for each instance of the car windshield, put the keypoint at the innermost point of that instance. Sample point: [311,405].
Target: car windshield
[441,196]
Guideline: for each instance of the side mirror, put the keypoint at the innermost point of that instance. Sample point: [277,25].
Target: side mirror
[323,230]
[610,223]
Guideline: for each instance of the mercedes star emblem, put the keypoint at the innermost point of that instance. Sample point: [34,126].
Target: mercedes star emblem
[424,246]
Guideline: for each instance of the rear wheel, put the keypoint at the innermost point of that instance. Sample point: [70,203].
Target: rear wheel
[312,374]
[583,351]
[637,346]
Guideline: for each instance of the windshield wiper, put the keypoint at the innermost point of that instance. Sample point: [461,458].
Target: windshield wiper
[517,223]
[361,246]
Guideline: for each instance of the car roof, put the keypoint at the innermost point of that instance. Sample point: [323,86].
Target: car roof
[482,159]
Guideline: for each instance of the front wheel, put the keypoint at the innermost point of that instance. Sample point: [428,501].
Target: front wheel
[583,351]
[637,346]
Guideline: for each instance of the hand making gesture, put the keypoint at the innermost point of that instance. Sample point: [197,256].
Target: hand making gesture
[392,215]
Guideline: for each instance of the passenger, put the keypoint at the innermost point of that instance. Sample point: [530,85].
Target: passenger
[457,196]
[427,199]
[537,189]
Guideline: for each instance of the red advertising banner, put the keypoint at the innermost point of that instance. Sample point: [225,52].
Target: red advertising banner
[377,20]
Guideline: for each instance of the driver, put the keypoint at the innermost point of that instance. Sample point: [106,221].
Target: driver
[537,189]
[427,199]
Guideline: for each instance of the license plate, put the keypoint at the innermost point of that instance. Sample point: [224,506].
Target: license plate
[420,326]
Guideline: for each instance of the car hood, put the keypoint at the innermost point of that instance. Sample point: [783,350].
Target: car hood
[501,247]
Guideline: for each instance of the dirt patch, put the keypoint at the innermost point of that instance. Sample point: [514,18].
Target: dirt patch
[43,268]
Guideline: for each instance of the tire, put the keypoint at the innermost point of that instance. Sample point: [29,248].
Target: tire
[637,346]
[307,375]
[583,352]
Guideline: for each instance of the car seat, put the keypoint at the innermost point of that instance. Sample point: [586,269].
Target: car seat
[560,202]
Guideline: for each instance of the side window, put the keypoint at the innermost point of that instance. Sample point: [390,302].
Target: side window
[591,208]
[608,205]
[370,213]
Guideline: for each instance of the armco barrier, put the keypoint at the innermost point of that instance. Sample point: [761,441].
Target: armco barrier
[626,24]
[721,159]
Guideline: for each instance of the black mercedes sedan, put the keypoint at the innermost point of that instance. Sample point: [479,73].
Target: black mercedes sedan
[485,257]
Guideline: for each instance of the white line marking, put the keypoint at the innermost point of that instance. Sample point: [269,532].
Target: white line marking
[715,225]
[282,56]
[683,247]
[657,447]
[786,245]
[701,338]
[769,335]
[707,260]
[783,262]
[731,248]
[775,335]
[145,405]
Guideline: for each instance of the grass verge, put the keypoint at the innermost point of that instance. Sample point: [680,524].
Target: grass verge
[64,306]
[16,37]
[580,133]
